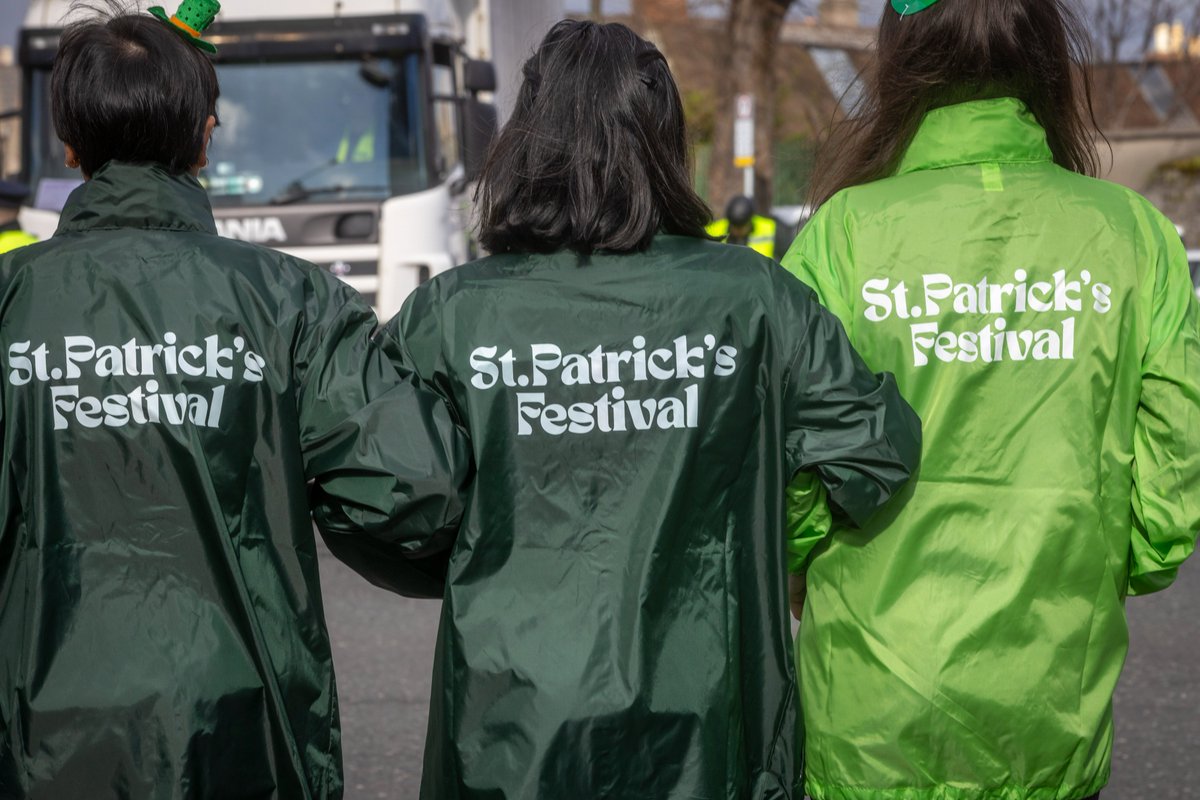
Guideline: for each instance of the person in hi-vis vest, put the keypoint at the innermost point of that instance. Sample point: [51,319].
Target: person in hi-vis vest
[356,148]
[361,141]
[12,194]
[742,226]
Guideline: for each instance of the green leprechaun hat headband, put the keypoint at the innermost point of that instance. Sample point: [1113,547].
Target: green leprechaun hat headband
[192,20]
[910,7]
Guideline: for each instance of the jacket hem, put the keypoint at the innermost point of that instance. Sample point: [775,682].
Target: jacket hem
[828,791]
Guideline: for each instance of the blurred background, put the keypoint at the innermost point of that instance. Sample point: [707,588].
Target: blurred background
[799,58]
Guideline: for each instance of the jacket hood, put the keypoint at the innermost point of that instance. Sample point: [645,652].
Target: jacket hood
[1002,130]
[124,195]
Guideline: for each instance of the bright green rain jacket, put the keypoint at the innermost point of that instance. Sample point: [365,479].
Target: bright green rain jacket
[615,623]
[175,408]
[966,644]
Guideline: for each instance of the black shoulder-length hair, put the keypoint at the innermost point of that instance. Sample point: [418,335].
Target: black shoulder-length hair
[595,155]
[959,50]
[126,87]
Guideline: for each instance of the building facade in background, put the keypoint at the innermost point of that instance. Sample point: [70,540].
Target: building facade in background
[1148,108]
[1149,111]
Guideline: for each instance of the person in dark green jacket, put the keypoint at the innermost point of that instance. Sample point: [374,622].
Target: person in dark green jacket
[175,409]
[639,397]
[1043,324]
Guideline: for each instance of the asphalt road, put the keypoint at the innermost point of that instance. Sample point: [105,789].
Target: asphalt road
[383,651]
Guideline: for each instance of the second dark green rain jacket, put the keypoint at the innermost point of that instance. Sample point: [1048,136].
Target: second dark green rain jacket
[615,622]
[175,407]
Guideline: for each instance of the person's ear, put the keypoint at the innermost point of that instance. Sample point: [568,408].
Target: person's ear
[209,125]
[72,160]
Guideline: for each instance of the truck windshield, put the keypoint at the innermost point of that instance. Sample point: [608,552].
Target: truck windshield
[315,132]
[294,132]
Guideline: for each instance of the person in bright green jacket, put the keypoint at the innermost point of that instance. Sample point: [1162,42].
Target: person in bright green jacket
[638,398]
[966,644]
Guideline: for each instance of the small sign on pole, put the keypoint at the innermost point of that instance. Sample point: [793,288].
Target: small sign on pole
[743,141]
[743,132]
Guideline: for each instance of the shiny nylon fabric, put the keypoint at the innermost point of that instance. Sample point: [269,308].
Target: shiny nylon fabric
[615,622]
[161,624]
[966,644]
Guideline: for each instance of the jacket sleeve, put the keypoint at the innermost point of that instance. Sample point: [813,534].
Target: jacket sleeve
[413,341]
[849,426]
[808,519]
[1166,444]
[387,466]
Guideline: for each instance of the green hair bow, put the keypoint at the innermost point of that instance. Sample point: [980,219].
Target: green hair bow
[907,7]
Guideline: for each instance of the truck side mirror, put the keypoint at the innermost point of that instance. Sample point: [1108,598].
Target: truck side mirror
[373,73]
[479,76]
[479,129]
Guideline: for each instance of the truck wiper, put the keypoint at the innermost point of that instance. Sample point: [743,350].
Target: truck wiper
[295,192]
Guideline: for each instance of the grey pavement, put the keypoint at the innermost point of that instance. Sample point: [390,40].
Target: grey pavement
[1157,710]
[383,652]
[383,657]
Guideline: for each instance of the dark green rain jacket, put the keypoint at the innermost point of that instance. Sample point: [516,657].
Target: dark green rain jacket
[167,396]
[966,644]
[615,623]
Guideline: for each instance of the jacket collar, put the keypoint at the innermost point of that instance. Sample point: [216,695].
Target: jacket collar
[1000,131]
[124,195]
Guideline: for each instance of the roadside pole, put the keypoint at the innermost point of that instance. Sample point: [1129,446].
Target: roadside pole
[743,142]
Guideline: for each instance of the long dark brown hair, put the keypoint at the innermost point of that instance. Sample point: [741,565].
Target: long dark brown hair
[595,156]
[959,50]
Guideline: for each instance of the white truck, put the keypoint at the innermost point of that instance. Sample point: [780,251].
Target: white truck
[350,129]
